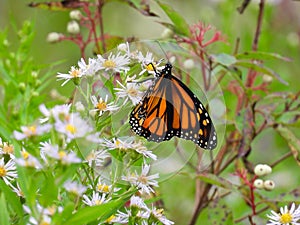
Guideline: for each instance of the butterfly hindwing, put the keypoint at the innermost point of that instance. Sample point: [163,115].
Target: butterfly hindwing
[169,108]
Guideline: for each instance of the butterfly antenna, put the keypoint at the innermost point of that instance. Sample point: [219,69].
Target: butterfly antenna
[162,50]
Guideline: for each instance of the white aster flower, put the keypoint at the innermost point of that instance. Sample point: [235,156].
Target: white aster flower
[88,69]
[97,158]
[143,182]
[43,219]
[30,131]
[286,216]
[96,199]
[6,149]
[136,201]
[17,190]
[141,149]
[28,160]
[102,106]
[117,143]
[74,74]
[129,92]
[74,127]
[122,217]
[74,187]
[45,148]
[8,171]
[146,62]
[63,156]
[58,112]
[158,215]
[116,63]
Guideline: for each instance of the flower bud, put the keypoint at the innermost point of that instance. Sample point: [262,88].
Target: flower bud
[267,78]
[73,27]
[79,107]
[75,15]
[258,183]
[35,94]
[269,185]
[22,86]
[122,47]
[167,33]
[259,170]
[268,169]
[172,59]
[54,37]
[189,64]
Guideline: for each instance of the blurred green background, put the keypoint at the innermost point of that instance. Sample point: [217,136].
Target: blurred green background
[280,34]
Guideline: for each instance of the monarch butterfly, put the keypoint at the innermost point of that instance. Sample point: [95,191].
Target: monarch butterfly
[169,108]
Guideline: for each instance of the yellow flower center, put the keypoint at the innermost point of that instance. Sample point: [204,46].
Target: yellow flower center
[109,64]
[2,171]
[75,73]
[143,179]
[31,131]
[44,223]
[61,154]
[71,129]
[286,218]
[110,219]
[98,202]
[149,67]
[132,92]
[25,155]
[101,105]
[9,149]
[103,188]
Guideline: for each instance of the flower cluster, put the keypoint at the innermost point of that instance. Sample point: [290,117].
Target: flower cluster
[76,151]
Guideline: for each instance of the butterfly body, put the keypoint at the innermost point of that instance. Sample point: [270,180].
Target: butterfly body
[169,108]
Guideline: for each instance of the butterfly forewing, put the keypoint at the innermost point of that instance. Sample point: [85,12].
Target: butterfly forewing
[169,108]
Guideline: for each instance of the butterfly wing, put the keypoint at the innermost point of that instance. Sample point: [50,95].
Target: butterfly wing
[170,109]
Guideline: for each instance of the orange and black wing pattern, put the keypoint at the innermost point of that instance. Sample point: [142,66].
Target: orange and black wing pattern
[169,108]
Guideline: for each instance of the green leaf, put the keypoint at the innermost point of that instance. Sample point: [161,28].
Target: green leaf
[292,141]
[11,198]
[89,214]
[260,56]
[224,59]
[262,69]
[4,219]
[180,25]
[215,180]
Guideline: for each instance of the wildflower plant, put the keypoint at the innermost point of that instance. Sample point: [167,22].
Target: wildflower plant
[73,159]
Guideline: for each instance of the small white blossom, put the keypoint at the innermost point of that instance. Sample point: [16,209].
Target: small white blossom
[28,160]
[129,92]
[6,149]
[136,201]
[88,69]
[141,149]
[73,74]
[58,112]
[63,156]
[286,216]
[97,158]
[74,187]
[102,106]
[8,171]
[117,144]
[96,199]
[74,127]
[116,63]
[143,182]
[158,214]
[30,131]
